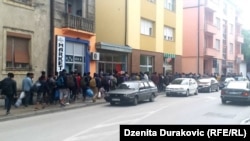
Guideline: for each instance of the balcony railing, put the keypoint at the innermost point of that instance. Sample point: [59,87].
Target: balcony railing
[239,39]
[211,28]
[78,22]
[212,52]
[240,57]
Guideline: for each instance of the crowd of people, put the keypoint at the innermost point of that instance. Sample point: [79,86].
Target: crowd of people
[65,88]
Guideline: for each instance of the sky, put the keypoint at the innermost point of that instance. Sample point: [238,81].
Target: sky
[244,5]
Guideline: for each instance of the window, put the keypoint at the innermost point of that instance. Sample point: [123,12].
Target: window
[231,48]
[231,28]
[218,23]
[25,2]
[225,8]
[146,27]
[217,44]
[17,53]
[168,33]
[169,4]
[146,63]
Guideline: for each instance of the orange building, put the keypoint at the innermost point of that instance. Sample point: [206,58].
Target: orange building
[73,36]
[211,37]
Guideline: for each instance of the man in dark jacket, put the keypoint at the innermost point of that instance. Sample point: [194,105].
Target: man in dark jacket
[9,90]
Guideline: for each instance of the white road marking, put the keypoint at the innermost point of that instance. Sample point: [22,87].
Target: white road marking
[86,132]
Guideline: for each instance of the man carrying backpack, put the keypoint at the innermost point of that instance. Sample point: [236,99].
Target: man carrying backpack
[9,90]
[61,84]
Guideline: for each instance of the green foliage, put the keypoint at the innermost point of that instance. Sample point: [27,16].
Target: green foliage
[246,45]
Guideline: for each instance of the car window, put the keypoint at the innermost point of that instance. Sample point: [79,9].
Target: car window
[128,85]
[204,80]
[151,84]
[235,85]
[141,85]
[177,81]
[146,84]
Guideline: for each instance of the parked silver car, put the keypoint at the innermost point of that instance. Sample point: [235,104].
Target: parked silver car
[182,86]
[132,92]
[208,85]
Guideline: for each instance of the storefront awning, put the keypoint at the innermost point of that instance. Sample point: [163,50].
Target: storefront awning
[112,47]
[169,55]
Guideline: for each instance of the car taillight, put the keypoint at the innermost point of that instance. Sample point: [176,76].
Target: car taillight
[245,94]
[222,92]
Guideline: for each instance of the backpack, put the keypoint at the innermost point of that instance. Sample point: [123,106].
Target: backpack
[83,82]
[60,81]
[70,81]
[92,82]
[6,86]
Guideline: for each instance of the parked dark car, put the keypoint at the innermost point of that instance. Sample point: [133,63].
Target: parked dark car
[132,92]
[208,85]
[236,91]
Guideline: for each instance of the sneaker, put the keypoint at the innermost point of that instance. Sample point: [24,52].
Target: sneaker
[7,113]
[62,104]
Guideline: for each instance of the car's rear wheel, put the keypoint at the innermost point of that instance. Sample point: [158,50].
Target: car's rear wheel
[196,92]
[217,89]
[223,101]
[152,98]
[210,90]
[187,93]
[135,102]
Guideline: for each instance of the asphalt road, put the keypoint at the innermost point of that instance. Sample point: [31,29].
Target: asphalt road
[101,122]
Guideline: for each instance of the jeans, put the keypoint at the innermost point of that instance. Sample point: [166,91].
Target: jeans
[8,103]
[27,98]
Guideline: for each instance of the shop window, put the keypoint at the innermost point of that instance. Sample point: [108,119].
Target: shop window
[17,53]
[146,63]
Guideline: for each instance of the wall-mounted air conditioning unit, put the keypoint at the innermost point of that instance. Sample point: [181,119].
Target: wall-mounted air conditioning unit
[95,56]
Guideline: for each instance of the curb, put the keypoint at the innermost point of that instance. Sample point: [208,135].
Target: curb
[48,111]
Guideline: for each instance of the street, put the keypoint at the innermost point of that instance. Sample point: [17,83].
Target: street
[101,122]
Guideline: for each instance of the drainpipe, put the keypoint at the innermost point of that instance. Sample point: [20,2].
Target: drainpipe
[129,58]
[126,19]
[51,61]
[198,47]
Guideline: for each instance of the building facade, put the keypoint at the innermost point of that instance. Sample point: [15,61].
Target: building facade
[139,36]
[211,37]
[24,37]
[73,35]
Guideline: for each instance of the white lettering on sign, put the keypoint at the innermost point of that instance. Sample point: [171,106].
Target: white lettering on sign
[60,65]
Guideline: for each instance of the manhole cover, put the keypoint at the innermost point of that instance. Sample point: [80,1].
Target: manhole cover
[223,115]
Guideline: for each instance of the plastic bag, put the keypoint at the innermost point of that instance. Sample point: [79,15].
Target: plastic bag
[99,95]
[89,92]
[22,95]
[19,100]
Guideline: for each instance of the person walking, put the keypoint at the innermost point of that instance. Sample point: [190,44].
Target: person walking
[9,90]
[27,85]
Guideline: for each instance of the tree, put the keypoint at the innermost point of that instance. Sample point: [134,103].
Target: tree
[246,48]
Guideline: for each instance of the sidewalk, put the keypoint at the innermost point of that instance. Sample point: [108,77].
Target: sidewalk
[22,112]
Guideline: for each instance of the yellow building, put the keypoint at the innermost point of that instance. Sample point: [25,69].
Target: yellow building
[139,35]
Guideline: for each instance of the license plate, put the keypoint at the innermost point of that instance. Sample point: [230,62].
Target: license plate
[115,99]
[234,93]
